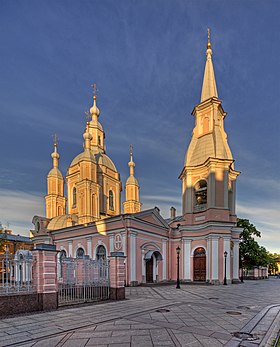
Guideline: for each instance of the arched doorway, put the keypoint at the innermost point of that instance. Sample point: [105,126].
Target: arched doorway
[149,270]
[199,264]
[152,259]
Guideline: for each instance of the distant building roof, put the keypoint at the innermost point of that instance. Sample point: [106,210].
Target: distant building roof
[16,238]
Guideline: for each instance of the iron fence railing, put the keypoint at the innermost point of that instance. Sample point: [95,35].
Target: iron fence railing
[16,272]
[83,280]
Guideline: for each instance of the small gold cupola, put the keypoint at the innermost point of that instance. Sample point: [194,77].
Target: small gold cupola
[55,200]
[95,128]
[132,202]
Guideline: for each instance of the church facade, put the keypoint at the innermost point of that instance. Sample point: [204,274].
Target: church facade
[89,222]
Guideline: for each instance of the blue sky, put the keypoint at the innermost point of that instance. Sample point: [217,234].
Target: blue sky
[147,58]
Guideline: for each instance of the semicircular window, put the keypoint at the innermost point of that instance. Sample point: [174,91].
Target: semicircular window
[101,253]
[199,252]
[80,253]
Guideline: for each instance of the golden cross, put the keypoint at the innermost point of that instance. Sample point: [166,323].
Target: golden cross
[55,140]
[88,116]
[95,90]
[130,150]
[208,34]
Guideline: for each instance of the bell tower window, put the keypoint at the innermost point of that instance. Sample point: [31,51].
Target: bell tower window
[200,193]
[74,197]
[111,200]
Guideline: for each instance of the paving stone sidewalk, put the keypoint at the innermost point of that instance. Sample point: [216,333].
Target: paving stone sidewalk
[157,316]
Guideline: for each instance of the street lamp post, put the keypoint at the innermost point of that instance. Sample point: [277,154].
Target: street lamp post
[242,261]
[225,278]
[178,250]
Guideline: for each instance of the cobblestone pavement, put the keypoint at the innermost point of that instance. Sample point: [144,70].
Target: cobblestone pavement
[194,315]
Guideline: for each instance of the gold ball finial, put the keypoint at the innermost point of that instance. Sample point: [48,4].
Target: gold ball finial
[208,35]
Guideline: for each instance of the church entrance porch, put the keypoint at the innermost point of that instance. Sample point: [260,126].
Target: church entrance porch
[199,265]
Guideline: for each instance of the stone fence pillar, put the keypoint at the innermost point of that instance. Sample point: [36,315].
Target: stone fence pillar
[45,275]
[117,276]
[256,273]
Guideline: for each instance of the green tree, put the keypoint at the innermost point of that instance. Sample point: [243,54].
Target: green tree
[252,253]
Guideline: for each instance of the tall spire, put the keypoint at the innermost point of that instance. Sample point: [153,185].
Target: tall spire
[209,88]
[131,163]
[55,154]
[55,200]
[131,203]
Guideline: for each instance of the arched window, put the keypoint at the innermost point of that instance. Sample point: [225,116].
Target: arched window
[93,205]
[80,253]
[59,211]
[101,253]
[74,197]
[62,255]
[38,226]
[111,200]
[200,193]
[199,252]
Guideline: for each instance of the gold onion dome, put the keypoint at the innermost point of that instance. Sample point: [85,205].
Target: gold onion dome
[94,110]
[55,172]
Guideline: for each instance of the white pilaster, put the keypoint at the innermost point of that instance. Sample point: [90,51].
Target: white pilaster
[89,247]
[70,248]
[124,243]
[154,268]
[164,264]
[215,263]
[143,266]
[111,239]
[208,263]
[236,260]
[187,259]
[227,249]
[132,253]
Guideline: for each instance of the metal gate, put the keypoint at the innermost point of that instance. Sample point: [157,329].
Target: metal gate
[82,280]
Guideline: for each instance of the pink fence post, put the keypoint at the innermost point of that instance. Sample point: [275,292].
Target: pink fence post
[45,275]
[117,276]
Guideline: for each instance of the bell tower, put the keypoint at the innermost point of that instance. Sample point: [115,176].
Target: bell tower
[132,203]
[55,200]
[208,176]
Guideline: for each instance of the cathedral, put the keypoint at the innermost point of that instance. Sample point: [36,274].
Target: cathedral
[91,221]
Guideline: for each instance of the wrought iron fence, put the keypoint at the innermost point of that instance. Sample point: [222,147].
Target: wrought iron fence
[82,280]
[16,272]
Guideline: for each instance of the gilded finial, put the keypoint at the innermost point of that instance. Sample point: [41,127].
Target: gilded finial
[208,35]
[130,151]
